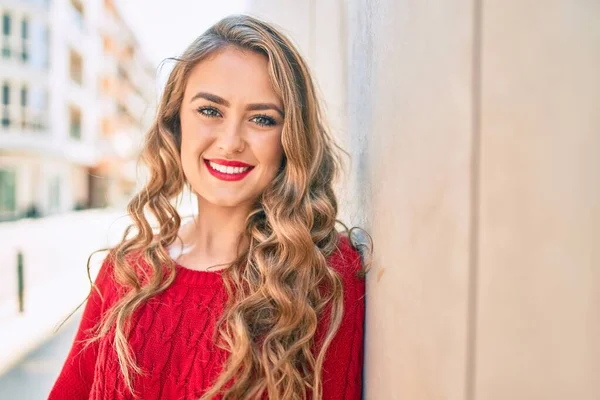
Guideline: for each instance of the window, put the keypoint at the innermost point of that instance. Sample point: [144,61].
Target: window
[24,29]
[54,194]
[121,110]
[24,96]
[5,94]
[24,114]
[75,67]
[6,25]
[8,193]
[5,105]
[122,72]
[78,7]
[106,127]
[46,43]
[25,41]
[6,35]
[108,45]
[111,9]
[105,85]
[75,123]
[37,106]
[77,12]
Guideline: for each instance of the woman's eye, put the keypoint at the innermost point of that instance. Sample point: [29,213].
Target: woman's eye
[208,112]
[264,120]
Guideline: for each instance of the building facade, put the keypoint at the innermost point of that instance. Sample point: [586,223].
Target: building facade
[127,95]
[76,97]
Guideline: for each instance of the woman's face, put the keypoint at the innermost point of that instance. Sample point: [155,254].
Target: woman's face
[231,123]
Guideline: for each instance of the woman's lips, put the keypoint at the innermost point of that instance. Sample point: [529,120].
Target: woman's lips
[228,163]
[228,175]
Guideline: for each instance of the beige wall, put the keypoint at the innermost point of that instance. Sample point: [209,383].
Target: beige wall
[538,319]
[474,129]
[410,128]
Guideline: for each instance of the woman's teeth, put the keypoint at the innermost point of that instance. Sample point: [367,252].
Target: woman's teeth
[228,170]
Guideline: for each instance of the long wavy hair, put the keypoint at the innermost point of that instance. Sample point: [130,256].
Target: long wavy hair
[275,302]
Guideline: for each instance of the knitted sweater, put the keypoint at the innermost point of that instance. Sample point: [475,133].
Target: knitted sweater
[172,340]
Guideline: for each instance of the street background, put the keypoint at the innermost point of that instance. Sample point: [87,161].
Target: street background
[474,134]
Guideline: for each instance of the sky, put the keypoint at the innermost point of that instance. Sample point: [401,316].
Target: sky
[165,28]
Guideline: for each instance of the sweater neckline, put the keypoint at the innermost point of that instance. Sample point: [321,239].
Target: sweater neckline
[198,277]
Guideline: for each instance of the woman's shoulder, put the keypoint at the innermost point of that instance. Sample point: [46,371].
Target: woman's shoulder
[106,277]
[346,259]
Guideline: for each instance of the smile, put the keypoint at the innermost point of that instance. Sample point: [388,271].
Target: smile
[228,170]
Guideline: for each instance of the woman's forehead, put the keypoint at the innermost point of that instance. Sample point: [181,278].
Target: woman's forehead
[235,75]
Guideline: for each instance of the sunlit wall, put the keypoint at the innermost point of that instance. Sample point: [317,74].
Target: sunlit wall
[474,132]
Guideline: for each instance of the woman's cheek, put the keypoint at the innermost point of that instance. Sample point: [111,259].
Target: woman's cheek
[276,151]
[197,136]
[269,146]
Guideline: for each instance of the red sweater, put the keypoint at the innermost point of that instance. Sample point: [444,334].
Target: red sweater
[171,339]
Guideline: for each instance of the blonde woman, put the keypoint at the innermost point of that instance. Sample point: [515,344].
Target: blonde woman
[259,297]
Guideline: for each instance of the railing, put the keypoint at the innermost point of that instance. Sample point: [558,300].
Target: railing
[6,47]
[15,117]
[18,50]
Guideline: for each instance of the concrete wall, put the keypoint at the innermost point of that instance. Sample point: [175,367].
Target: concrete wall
[473,128]
[410,126]
[538,325]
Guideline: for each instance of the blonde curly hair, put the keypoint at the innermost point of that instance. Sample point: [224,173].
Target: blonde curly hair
[275,299]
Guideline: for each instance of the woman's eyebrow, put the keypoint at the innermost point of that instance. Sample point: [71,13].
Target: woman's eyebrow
[251,107]
[210,97]
[264,106]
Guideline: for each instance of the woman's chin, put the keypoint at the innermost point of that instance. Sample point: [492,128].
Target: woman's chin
[226,201]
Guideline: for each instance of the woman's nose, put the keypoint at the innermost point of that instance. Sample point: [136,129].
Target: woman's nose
[231,140]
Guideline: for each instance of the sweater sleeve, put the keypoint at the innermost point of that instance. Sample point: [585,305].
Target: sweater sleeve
[343,365]
[77,375]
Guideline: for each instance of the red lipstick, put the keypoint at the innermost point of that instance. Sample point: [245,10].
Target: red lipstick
[228,163]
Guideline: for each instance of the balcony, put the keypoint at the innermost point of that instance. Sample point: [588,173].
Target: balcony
[84,153]
[24,129]
[18,61]
[27,120]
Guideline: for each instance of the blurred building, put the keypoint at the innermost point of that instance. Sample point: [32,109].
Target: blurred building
[127,91]
[75,94]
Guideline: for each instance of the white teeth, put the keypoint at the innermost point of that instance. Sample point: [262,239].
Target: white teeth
[228,170]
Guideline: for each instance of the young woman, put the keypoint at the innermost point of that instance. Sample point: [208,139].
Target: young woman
[258,297]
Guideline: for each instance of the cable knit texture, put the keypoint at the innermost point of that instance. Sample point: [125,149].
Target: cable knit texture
[172,339]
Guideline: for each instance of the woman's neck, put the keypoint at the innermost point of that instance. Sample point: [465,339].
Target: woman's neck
[213,237]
